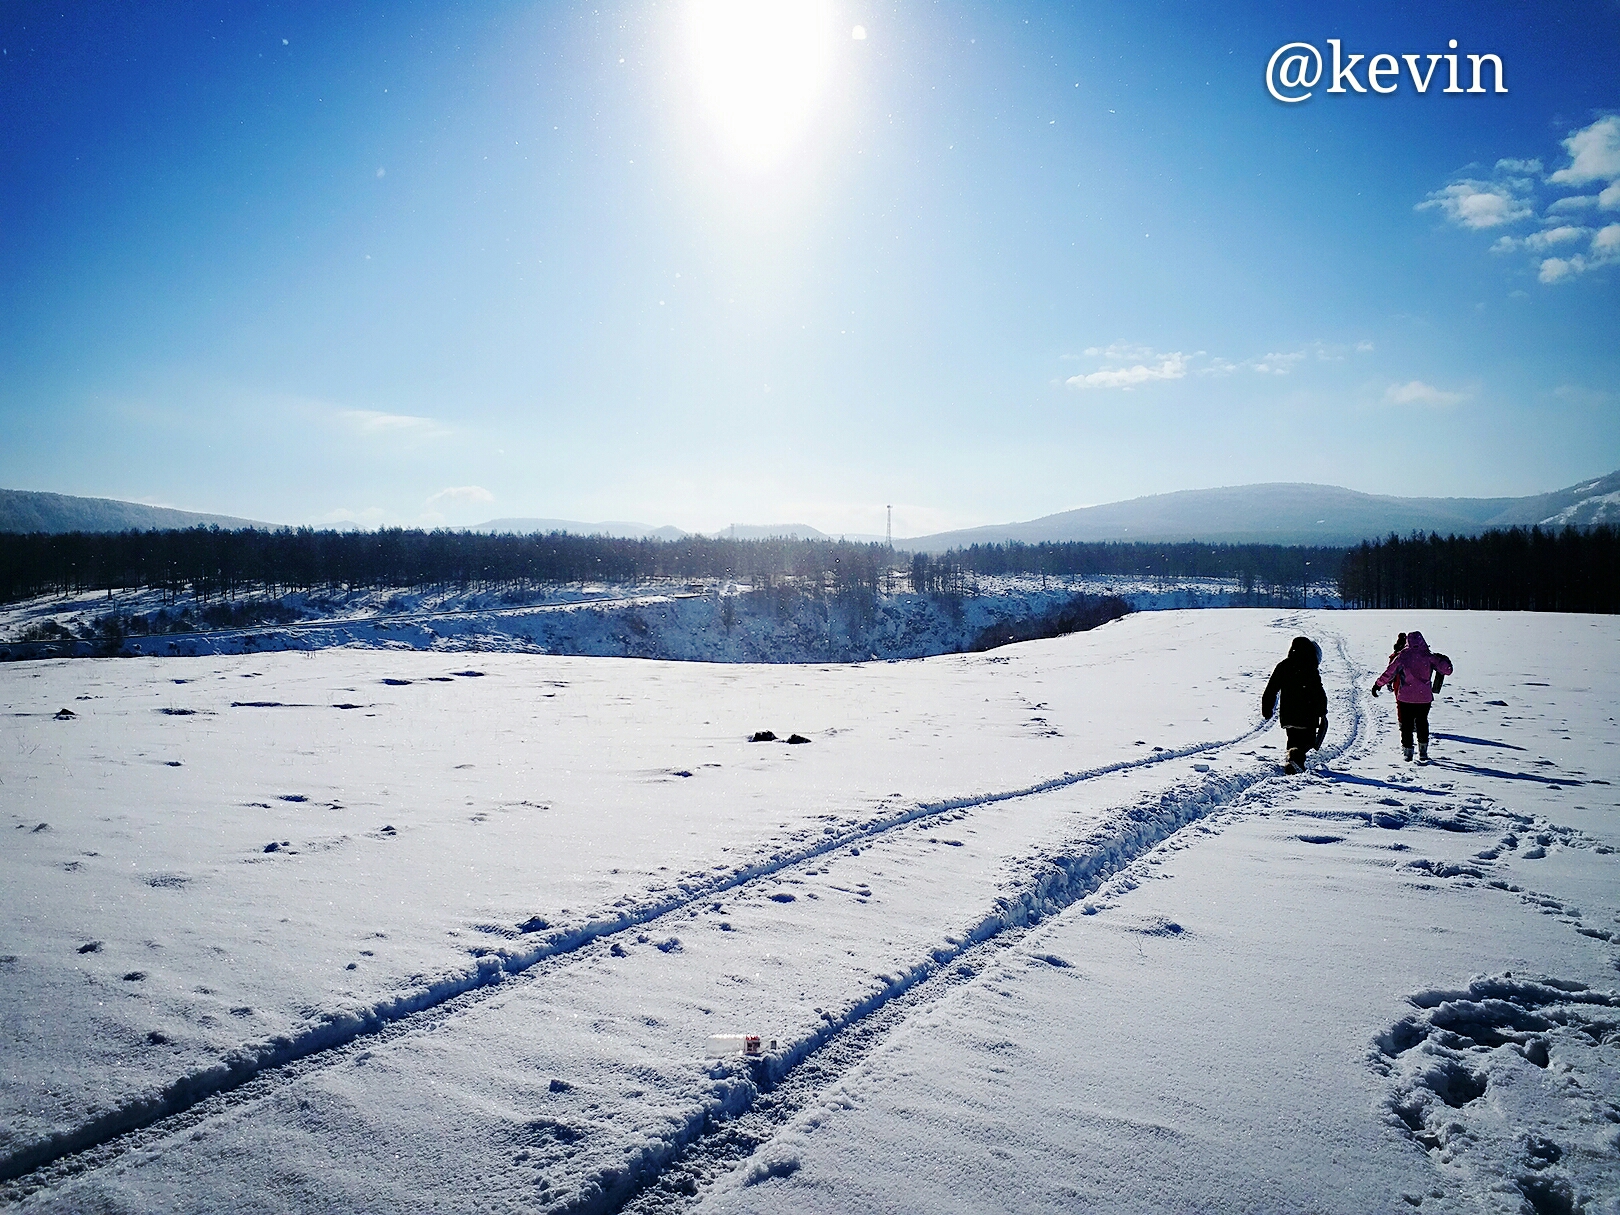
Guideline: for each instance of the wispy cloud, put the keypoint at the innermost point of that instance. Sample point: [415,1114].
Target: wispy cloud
[1129,365]
[1483,204]
[1171,366]
[1416,392]
[1536,242]
[373,422]
[1511,196]
[458,495]
[371,516]
[1281,362]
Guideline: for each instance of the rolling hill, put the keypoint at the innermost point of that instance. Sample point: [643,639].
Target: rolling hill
[1292,514]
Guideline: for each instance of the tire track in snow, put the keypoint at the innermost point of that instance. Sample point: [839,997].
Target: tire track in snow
[329,1031]
[798,1076]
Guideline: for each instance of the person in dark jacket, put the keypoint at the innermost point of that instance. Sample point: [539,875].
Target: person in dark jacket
[1297,685]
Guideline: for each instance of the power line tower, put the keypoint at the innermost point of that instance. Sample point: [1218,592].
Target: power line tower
[888,528]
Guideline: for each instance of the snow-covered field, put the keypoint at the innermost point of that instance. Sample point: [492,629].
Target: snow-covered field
[1040,928]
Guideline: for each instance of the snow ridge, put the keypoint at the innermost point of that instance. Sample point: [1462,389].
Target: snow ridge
[337,1027]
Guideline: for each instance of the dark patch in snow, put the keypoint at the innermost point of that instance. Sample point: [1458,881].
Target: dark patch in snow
[398,683]
[794,740]
[90,947]
[167,881]
[65,715]
[134,976]
[1320,839]
[763,736]
[1443,869]
[781,896]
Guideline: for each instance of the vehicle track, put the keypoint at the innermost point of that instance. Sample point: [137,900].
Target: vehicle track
[253,1069]
[799,1077]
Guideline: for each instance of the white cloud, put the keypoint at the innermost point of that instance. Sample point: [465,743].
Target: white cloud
[1575,202]
[1416,392]
[1167,367]
[459,494]
[1603,251]
[1536,242]
[1594,154]
[1482,204]
[1555,269]
[1137,364]
[1594,158]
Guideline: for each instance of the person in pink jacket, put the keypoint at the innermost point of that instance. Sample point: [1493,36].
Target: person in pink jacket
[1415,673]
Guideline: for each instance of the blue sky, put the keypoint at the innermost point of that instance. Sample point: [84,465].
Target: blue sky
[683,263]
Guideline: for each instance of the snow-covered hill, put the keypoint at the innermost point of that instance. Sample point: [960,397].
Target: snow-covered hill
[1026,930]
[27,511]
[1292,514]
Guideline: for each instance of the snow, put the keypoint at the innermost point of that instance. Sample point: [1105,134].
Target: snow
[709,622]
[1032,928]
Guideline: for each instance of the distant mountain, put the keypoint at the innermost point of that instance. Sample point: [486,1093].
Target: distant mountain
[794,531]
[1292,514]
[542,527]
[24,510]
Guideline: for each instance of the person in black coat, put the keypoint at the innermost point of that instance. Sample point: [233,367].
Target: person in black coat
[1297,685]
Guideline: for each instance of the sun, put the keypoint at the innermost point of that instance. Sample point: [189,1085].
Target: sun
[763,68]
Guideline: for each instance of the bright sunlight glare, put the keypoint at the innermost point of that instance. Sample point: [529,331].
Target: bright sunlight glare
[762,67]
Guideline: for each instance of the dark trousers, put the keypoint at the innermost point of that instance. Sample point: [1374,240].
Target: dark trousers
[1413,717]
[1300,740]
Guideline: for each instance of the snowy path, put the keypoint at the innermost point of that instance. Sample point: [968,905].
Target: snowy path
[578,1084]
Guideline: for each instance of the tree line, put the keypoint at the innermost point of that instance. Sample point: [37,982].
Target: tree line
[211,563]
[1517,569]
[1273,569]
[1573,570]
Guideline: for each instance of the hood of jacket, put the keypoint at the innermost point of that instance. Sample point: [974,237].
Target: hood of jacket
[1414,641]
[1305,650]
